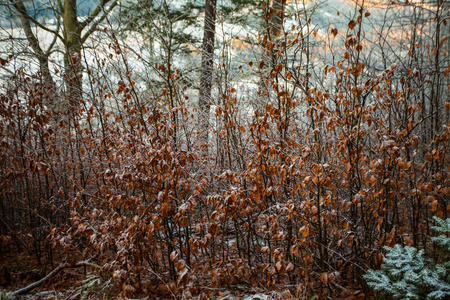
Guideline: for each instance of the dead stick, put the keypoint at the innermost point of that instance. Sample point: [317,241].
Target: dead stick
[52,274]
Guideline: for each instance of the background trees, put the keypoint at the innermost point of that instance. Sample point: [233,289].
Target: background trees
[69,31]
[326,142]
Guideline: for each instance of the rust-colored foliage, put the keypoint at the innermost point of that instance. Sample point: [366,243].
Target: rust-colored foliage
[275,201]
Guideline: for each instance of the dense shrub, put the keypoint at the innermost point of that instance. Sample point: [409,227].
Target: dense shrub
[307,187]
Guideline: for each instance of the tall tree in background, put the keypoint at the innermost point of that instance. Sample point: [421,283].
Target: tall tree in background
[72,34]
[207,68]
[73,39]
[41,54]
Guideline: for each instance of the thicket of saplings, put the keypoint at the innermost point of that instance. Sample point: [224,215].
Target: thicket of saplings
[303,190]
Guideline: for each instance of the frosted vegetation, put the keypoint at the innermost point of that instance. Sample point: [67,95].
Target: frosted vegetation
[304,144]
[408,274]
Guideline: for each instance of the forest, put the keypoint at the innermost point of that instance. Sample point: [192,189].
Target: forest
[224,149]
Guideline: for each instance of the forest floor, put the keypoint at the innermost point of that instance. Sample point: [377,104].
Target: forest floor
[20,269]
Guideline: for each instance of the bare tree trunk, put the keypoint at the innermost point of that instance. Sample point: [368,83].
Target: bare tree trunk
[72,57]
[207,70]
[33,41]
[72,39]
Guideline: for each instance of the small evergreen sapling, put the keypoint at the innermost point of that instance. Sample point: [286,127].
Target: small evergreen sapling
[406,274]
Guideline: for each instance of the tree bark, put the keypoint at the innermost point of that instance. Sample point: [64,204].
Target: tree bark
[207,70]
[72,56]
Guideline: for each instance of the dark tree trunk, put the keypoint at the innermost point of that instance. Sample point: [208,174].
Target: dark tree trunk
[207,70]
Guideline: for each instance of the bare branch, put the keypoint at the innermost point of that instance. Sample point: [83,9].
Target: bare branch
[96,23]
[20,7]
[100,7]
[52,274]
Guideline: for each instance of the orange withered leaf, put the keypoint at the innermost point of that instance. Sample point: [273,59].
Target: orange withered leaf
[288,75]
[334,31]
[351,24]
